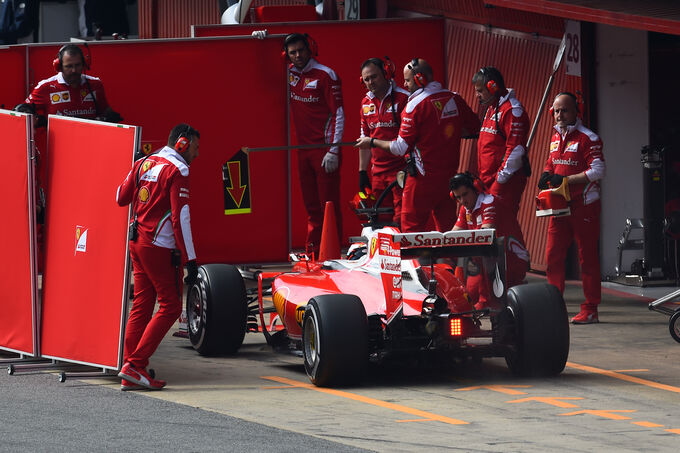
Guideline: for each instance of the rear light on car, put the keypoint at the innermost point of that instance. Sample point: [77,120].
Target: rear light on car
[455,327]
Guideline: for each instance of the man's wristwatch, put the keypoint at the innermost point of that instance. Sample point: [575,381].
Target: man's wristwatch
[372,141]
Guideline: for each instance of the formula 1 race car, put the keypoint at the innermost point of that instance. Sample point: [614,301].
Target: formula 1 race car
[392,299]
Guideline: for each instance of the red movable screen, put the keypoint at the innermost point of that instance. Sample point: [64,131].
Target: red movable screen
[17,285]
[84,284]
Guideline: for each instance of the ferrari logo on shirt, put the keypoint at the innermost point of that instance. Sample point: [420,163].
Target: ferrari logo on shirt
[450,109]
[146,165]
[81,239]
[152,175]
[293,79]
[572,147]
[60,97]
[391,108]
[86,95]
[369,109]
[438,105]
[310,84]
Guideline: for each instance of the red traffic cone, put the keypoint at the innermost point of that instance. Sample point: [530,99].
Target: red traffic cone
[330,246]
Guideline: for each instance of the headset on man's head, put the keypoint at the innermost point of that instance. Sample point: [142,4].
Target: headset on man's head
[466,179]
[309,42]
[72,49]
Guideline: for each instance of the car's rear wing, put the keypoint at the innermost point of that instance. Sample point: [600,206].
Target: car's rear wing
[449,244]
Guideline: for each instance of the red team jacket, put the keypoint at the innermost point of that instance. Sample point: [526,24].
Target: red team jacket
[433,121]
[316,100]
[502,140]
[378,121]
[161,201]
[490,210]
[54,96]
[580,149]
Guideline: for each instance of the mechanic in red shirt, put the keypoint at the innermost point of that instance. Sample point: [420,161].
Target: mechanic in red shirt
[160,240]
[316,104]
[70,92]
[432,124]
[501,148]
[478,210]
[380,118]
[575,155]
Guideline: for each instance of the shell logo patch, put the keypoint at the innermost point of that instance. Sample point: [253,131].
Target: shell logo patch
[60,97]
[143,194]
[369,109]
[554,146]
[448,130]
[293,79]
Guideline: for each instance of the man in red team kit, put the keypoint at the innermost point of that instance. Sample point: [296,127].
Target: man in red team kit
[316,104]
[483,210]
[501,148]
[160,239]
[380,118]
[575,155]
[432,124]
[70,92]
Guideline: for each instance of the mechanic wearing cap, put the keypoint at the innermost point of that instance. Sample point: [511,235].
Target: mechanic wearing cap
[501,148]
[316,104]
[70,92]
[478,210]
[380,118]
[160,240]
[432,124]
[575,155]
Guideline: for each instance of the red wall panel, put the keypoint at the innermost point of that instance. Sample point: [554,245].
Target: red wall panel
[175,81]
[344,45]
[13,86]
[526,63]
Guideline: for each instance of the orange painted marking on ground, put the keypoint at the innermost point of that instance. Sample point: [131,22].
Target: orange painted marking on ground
[506,389]
[427,416]
[648,424]
[603,413]
[553,401]
[674,431]
[630,371]
[416,420]
[624,377]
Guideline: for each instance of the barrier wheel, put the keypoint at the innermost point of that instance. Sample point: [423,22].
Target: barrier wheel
[674,325]
[62,376]
[10,369]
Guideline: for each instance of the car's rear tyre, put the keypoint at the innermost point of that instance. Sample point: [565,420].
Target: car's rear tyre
[541,330]
[335,339]
[674,325]
[217,310]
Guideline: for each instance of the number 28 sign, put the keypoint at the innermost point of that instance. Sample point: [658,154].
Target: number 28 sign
[572,52]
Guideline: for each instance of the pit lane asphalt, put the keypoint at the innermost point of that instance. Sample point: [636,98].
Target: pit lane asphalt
[620,392]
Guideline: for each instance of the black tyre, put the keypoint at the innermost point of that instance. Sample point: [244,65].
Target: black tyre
[674,325]
[541,330]
[217,310]
[335,339]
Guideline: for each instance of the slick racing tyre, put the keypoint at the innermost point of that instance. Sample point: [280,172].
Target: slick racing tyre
[674,325]
[335,339]
[217,310]
[540,328]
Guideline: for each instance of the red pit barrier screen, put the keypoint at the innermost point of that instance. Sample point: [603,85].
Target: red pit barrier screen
[17,267]
[13,86]
[85,283]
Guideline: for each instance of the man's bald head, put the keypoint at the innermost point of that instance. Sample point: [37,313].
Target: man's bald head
[413,68]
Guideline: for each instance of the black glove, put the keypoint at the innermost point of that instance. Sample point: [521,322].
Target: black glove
[192,273]
[363,180]
[556,181]
[543,180]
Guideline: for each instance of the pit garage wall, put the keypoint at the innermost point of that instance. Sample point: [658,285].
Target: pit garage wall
[526,62]
[622,87]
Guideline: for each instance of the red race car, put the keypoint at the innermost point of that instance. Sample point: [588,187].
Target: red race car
[394,294]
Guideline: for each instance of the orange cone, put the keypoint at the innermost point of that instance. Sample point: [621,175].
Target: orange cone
[330,246]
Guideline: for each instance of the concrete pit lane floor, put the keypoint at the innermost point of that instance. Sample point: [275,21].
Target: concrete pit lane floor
[619,392]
